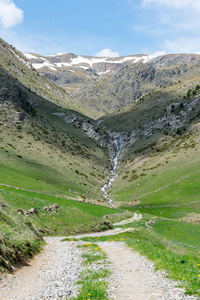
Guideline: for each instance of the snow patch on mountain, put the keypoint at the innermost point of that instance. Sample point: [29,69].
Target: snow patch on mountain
[30,56]
[100,73]
[84,62]
[57,54]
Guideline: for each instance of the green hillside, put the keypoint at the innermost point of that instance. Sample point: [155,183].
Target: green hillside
[54,151]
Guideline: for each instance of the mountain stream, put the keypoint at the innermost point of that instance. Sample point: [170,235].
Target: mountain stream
[113,175]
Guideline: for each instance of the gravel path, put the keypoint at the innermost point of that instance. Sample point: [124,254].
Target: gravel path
[134,218]
[134,278]
[51,275]
[54,272]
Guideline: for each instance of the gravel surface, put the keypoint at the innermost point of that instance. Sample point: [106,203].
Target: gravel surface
[51,275]
[54,272]
[134,278]
[134,218]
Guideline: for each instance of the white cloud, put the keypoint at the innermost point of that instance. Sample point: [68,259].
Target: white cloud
[107,53]
[178,4]
[10,14]
[159,53]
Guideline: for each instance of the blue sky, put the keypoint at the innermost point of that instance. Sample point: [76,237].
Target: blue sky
[96,27]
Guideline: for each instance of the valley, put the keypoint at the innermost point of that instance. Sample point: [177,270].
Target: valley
[108,138]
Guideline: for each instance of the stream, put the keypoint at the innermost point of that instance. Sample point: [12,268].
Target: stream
[113,175]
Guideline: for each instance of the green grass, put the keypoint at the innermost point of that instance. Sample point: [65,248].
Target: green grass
[93,284]
[42,163]
[178,232]
[92,289]
[72,217]
[171,212]
[19,238]
[168,177]
[94,253]
[92,275]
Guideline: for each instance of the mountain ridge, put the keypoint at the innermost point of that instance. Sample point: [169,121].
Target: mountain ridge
[90,68]
[132,76]
[67,69]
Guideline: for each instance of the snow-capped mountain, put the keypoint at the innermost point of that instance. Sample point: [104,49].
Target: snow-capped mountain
[70,60]
[70,70]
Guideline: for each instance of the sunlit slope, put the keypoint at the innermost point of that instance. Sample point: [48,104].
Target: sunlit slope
[160,163]
[164,181]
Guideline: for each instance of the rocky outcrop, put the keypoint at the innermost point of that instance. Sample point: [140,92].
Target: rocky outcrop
[134,81]
[52,208]
[15,100]
[110,84]
[175,118]
[33,211]
[170,60]
[71,71]
[128,85]
[93,130]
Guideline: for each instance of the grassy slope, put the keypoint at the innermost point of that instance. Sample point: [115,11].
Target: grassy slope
[165,179]
[72,216]
[19,239]
[161,169]
[21,236]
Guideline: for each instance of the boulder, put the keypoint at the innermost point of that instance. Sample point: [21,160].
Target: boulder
[52,208]
[33,211]
[23,212]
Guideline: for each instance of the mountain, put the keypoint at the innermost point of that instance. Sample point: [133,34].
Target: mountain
[107,84]
[70,70]
[38,113]
[134,81]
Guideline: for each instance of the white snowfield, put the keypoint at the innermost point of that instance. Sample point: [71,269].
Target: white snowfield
[30,56]
[100,73]
[84,61]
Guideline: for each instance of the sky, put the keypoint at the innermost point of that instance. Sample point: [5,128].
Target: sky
[101,27]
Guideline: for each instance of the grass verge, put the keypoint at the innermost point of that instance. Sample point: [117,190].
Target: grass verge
[93,283]
[19,238]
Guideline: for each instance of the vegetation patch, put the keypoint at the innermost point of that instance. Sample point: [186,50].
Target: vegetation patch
[93,284]
[19,238]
